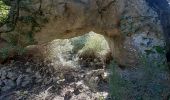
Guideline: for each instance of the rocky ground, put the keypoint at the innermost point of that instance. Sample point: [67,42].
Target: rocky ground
[27,79]
[24,79]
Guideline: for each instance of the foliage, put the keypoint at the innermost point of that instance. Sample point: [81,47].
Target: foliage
[79,42]
[117,84]
[146,86]
[159,49]
[152,70]
[5,52]
[95,43]
[156,49]
[4,10]
[151,66]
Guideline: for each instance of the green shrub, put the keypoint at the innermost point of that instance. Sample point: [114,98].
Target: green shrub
[78,42]
[6,51]
[94,43]
[118,86]
[4,10]
[159,49]
[152,69]
[145,87]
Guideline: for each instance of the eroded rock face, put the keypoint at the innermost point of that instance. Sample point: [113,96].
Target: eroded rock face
[163,7]
[41,21]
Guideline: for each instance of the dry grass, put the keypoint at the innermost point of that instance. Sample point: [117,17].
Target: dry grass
[95,47]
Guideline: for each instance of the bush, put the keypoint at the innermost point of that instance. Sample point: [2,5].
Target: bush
[79,42]
[4,10]
[95,44]
[118,86]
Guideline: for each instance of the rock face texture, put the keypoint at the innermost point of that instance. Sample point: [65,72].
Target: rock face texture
[41,21]
[163,9]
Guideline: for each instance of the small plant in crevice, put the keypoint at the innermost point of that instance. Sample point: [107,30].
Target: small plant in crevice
[160,49]
[155,56]
[156,49]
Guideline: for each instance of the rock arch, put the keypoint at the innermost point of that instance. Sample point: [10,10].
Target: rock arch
[40,21]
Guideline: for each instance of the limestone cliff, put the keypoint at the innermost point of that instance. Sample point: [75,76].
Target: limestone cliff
[41,21]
